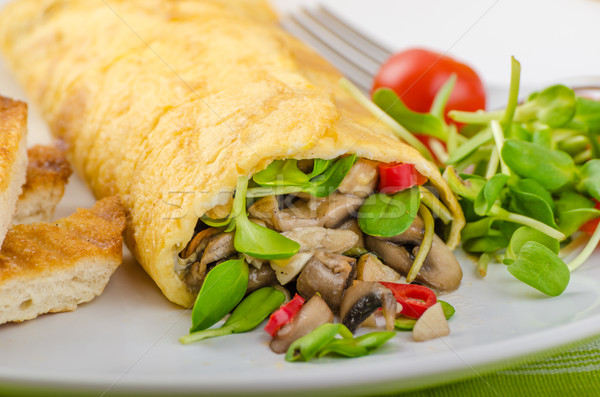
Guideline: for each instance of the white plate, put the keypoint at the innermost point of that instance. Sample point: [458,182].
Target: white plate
[127,339]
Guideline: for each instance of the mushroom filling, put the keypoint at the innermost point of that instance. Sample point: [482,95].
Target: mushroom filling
[307,223]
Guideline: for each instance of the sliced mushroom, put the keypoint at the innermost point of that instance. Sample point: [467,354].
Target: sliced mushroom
[369,268]
[264,210]
[413,235]
[312,238]
[197,243]
[338,208]
[217,246]
[302,213]
[440,270]
[327,274]
[313,313]
[352,224]
[220,246]
[258,278]
[195,275]
[395,256]
[361,179]
[362,299]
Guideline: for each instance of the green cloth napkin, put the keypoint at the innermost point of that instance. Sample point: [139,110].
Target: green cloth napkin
[575,372]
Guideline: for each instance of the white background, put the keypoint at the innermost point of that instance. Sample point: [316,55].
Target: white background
[555,40]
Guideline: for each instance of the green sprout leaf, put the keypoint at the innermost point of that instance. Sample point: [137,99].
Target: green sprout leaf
[553,106]
[223,288]
[255,240]
[588,112]
[590,179]
[424,123]
[524,234]
[531,205]
[488,195]
[284,177]
[246,316]
[387,215]
[281,173]
[553,169]
[327,182]
[539,267]
[322,341]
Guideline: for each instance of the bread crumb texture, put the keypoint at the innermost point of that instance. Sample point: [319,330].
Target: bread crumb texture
[55,267]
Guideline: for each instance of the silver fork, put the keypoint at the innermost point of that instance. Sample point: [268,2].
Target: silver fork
[354,54]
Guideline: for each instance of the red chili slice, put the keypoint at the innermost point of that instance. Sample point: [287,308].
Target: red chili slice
[415,299]
[394,177]
[284,315]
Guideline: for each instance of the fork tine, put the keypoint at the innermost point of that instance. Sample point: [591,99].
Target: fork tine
[356,74]
[352,35]
[360,57]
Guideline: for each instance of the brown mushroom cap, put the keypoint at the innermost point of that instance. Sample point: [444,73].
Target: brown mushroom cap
[327,274]
[440,270]
[362,299]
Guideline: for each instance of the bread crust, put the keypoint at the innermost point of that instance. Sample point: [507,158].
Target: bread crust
[54,267]
[48,172]
[13,157]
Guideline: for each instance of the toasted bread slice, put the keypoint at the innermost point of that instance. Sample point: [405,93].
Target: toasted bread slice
[47,174]
[54,267]
[13,157]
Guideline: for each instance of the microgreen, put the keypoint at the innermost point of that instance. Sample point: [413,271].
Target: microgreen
[246,316]
[284,176]
[281,173]
[424,123]
[525,174]
[553,169]
[590,179]
[322,341]
[388,215]
[524,234]
[553,106]
[255,240]
[539,267]
[488,195]
[223,288]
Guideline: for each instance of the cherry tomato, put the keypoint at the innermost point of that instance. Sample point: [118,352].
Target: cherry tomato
[417,74]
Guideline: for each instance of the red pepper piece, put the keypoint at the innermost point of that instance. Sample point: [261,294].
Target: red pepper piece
[394,177]
[415,299]
[284,315]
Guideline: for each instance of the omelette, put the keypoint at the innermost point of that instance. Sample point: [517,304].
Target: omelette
[167,103]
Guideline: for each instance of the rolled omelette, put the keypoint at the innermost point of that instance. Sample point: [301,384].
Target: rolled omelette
[167,102]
